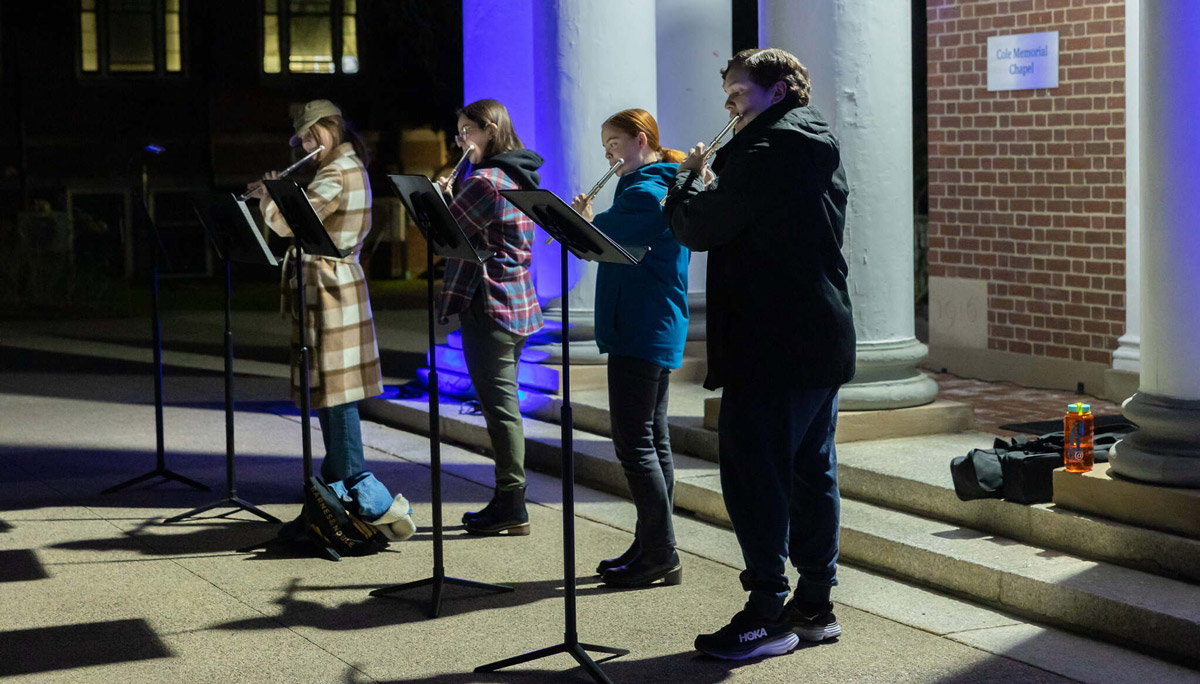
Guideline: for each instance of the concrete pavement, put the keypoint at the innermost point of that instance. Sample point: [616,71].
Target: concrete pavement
[95,588]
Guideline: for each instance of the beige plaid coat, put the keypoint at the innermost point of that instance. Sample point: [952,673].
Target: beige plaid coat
[344,356]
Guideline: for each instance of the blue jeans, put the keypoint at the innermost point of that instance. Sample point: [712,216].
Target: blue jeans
[637,400]
[779,478]
[342,434]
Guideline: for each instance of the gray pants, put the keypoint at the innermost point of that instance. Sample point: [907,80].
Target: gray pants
[492,354]
[637,404]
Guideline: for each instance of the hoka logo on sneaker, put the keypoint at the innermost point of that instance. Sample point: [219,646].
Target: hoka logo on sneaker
[751,636]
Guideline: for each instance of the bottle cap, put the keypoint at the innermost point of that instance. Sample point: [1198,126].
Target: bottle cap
[1079,408]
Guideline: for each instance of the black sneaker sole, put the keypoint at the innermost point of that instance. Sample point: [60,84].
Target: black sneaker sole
[780,645]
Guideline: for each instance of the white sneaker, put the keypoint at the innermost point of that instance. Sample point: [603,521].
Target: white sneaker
[397,523]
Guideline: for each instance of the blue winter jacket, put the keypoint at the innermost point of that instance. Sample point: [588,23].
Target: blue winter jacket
[641,310]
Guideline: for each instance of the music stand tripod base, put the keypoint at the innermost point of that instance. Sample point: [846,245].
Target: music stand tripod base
[158,472]
[160,469]
[232,233]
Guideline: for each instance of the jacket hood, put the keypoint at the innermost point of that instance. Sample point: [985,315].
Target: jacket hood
[665,171]
[519,165]
[787,117]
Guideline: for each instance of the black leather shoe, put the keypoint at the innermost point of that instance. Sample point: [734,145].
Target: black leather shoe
[507,516]
[645,570]
[634,550]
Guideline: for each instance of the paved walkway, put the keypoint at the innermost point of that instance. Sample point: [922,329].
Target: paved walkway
[96,588]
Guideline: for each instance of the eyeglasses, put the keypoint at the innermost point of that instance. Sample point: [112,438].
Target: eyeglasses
[462,132]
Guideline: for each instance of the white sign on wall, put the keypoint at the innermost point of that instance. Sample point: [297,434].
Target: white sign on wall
[1022,62]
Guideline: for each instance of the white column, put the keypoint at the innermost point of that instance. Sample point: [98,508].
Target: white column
[694,42]
[567,65]
[1128,355]
[858,56]
[1166,448]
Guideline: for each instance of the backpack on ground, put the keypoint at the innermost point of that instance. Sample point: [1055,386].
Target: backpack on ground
[335,530]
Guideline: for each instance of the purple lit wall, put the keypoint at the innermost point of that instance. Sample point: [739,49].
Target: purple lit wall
[508,49]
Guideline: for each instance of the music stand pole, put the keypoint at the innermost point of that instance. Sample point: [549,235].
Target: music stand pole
[231,498]
[571,644]
[439,578]
[160,469]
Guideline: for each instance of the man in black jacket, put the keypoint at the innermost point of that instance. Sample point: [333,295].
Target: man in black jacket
[780,343]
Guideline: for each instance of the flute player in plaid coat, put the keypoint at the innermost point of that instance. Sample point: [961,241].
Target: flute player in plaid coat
[495,301]
[344,361]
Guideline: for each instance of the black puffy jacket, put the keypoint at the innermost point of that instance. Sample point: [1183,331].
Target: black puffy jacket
[778,304]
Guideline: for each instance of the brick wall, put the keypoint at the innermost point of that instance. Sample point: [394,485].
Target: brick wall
[1027,187]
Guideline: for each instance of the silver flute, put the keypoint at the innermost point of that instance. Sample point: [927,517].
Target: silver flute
[600,183]
[462,160]
[712,146]
[598,186]
[300,162]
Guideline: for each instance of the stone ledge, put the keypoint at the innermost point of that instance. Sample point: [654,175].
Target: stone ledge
[938,417]
[595,376]
[1171,509]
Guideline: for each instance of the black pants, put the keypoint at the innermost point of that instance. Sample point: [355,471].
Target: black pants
[637,404]
[779,478]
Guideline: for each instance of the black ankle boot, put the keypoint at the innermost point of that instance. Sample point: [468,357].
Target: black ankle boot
[648,568]
[507,515]
[624,559]
[484,512]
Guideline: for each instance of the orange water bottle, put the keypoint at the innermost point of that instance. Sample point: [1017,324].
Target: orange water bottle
[1078,430]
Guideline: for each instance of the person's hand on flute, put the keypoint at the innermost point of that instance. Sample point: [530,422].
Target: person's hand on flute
[445,184]
[583,205]
[257,190]
[695,161]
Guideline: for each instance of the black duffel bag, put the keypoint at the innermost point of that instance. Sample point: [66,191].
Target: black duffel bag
[1021,470]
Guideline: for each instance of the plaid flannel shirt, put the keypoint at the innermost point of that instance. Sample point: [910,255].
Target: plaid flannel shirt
[504,280]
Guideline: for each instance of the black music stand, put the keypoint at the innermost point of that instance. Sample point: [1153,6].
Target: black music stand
[446,237]
[142,214]
[586,242]
[234,236]
[309,237]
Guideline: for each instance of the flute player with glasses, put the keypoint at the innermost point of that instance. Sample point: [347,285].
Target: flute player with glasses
[641,323]
[344,364]
[495,301]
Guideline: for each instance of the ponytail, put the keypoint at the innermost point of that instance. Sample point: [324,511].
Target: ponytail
[671,156]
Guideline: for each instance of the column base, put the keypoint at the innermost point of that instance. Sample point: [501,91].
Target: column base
[1128,355]
[887,377]
[1165,449]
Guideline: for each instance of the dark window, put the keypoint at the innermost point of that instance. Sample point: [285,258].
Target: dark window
[141,37]
[310,36]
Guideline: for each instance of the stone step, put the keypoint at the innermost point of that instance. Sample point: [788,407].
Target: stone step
[1094,597]
[1122,605]
[913,474]
[930,419]
[909,474]
[692,435]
